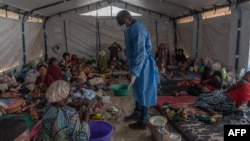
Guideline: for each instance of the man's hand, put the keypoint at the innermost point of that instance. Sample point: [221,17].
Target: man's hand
[132,81]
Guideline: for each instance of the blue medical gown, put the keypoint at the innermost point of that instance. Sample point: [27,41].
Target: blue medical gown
[142,64]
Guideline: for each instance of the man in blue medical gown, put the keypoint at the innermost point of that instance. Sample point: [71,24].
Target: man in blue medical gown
[142,68]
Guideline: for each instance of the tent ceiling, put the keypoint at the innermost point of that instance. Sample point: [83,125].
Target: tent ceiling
[176,8]
[171,8]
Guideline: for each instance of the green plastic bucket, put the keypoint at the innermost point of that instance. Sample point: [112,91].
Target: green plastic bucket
[121,89]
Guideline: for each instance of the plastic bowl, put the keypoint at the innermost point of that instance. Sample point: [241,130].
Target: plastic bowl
[100,130]
[158,120]
[121,89]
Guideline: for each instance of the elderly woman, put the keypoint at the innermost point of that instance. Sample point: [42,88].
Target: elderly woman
[61,122]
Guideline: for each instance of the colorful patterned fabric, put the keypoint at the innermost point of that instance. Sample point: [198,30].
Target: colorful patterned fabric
[180,102]
[62,124]
[31,76]
[219,102]
[13,104]
[180,115]
[66,74]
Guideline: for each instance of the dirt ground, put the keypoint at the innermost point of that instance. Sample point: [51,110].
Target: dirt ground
[121,132]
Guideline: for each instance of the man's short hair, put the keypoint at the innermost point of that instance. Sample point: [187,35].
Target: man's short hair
[122,14]
[65,54]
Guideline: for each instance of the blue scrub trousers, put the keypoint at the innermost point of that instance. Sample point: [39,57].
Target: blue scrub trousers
[142,112]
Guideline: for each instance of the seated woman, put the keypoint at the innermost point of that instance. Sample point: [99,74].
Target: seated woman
[235,96]
[180,57]
[162,57]
[78,74]
[54,70]
[88,72]
[81,73]
[80,97]
[44,80]
[61,122]
[84,102]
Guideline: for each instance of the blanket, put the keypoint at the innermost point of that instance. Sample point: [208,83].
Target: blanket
[180,102]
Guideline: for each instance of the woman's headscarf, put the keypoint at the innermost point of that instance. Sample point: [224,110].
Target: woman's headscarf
[41,64]
[57,91]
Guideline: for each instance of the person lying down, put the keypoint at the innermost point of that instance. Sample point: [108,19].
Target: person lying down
[229,101]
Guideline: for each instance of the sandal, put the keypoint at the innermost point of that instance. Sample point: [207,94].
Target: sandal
[113,110]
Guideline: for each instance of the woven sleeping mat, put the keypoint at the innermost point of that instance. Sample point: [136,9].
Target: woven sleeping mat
[200,131]
[196,130]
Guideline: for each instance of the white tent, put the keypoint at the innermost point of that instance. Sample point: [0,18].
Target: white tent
[84,27]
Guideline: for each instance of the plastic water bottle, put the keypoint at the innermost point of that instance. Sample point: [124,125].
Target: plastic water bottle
[224,73]
[242,72]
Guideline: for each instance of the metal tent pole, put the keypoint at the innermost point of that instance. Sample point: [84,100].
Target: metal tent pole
[23,38]
[45,41]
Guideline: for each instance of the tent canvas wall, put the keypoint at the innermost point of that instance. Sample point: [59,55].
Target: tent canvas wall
[64,27]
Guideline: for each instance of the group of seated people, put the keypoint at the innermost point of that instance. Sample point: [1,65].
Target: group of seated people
[69,88]
[213,97]
[64,84]
[211,94]
[59,121]
[71,70]
[164,59]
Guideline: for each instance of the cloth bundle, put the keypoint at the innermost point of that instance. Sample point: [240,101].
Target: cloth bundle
[96,81]
[13,104]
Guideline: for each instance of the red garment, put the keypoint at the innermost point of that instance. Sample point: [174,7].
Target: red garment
[55,72]
[73,62]
[47,81]
[240,95]
[209,87]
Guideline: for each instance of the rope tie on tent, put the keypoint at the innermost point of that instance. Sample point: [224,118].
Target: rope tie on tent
[203,11]
[215,9]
